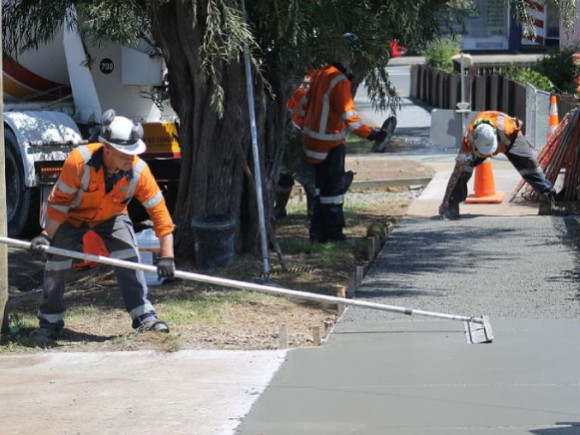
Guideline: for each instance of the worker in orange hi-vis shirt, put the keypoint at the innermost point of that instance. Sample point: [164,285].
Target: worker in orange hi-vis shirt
[491,133]
[329,113]
[96,184]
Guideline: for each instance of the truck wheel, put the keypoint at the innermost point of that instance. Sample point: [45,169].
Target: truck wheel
[22,203]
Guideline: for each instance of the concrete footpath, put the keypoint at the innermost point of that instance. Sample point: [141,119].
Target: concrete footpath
[383,373]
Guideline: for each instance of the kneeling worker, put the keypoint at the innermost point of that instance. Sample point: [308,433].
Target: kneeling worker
[489,134]
[96,184]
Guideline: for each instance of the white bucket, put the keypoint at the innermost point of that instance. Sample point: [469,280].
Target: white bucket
[149,251]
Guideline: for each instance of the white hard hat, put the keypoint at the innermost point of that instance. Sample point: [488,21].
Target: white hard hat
[121,133]
[485,139]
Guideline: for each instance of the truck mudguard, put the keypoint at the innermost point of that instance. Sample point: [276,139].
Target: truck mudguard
[42,136]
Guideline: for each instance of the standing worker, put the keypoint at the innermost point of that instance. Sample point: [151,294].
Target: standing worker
[489,134]
[329,111]
[96,184]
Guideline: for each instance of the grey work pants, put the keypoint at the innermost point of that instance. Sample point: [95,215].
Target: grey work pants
[119,238]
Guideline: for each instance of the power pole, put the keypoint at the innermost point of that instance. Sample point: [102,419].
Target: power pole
[3,232]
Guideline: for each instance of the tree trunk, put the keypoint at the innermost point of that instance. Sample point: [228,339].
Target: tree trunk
[217,167]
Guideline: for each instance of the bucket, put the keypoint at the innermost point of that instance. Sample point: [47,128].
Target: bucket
[149,251]
[214,238]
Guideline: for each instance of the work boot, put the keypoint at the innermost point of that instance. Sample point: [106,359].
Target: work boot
[333,234]
[552,206]
[335,238]
[557,210]
[154,325]
[43,335]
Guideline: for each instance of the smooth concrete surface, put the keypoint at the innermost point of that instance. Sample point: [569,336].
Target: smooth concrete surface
[422,378]
[386,373]
[187,392]
[381,373]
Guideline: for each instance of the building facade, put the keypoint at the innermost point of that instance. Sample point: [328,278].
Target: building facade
[492,26]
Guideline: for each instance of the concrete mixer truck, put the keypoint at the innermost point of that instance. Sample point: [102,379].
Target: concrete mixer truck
[53,101]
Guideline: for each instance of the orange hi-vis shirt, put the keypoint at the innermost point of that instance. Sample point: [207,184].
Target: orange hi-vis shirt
[330,110]
[80,195]
[507,129]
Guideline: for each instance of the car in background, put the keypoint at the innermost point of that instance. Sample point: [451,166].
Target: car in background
[396,49]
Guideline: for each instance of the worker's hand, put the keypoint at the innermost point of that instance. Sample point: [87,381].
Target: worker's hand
[377,135]
[39,244]
[165,267]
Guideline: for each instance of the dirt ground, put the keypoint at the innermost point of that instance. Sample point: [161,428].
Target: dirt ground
[256,322]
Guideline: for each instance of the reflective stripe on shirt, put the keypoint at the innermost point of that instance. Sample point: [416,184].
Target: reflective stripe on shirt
[314,154]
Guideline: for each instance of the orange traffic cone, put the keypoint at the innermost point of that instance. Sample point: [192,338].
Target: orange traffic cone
[484,186]
[92,244]
[553,121]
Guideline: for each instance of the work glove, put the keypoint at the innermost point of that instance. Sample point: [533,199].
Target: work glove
[377,135]
[165,267]
[39,244]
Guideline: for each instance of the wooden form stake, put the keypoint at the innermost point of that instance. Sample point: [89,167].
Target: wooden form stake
[341,293]
[360,274]
[283,337]
[370,248]
[316,336]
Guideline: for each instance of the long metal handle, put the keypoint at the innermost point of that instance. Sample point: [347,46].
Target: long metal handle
[245,285]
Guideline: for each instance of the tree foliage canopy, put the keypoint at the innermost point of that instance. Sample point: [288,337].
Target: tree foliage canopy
[285,36]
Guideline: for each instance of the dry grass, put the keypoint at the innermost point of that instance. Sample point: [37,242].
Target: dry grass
[208,317]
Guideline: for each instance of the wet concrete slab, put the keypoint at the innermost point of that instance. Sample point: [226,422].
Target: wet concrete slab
[422,378]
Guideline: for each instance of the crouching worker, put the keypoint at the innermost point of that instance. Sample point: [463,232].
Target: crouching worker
[96,184]
[489,134]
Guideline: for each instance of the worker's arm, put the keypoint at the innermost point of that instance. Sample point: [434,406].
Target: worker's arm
[458,169]
[166,243]
[51,228]
[149,194]
[462,162]
[342,98]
